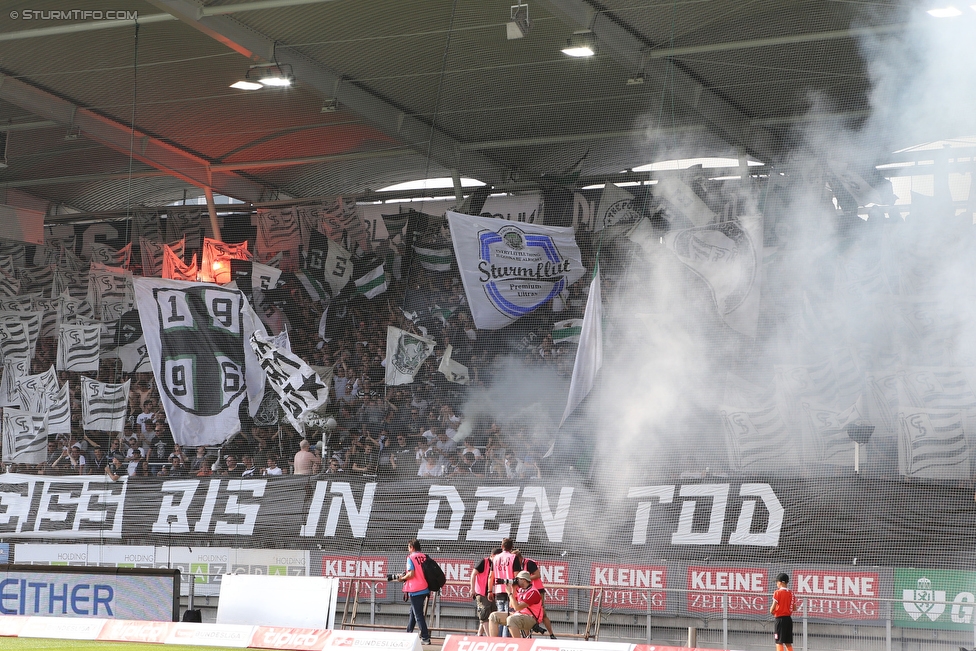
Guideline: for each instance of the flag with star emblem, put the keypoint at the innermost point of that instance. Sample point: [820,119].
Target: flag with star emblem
[299,388]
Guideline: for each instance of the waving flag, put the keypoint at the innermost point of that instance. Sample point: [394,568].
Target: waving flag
[73,283]
[369,277]
[727,256]
[932,444]
[278,230]
[327,262]
[589,353]
[567,331]
[617,206]
[78,347]
[453,371]
[184,223]
[299,388]
[146,225]
[13,370]
[438,259]
[197,338]
[109,291]
[24,436]
[215,264]
[405,353]
[9,286]
[103,406]
[152,255]
[174,269]
[15,339]
[511,269]
[104,254]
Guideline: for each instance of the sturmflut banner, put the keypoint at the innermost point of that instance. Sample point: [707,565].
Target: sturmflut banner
[510,269]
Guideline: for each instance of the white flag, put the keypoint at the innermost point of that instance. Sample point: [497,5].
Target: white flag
[616,207]
[510,269]
[78,347]
[103,406]
[684,200]
[299,388]
[405,353]
[152,255]
[109,291]
[14,339]
[453,371]
[73,283]
[34,388]
[589,353]
[184,223]
[439,259]
[727,256]
[932,444]
[24,436]
[264,276]
[277,231]
[758,439]
[58,410]
[9,286]
[13,370]
[146,225]
[830,437]
[104,254]
[197,338]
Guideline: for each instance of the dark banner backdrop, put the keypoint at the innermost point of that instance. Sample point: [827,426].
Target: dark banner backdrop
[841,521]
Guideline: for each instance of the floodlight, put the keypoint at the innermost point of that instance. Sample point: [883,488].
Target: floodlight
[520,23]
[266,75]
[246,85]
[580,44]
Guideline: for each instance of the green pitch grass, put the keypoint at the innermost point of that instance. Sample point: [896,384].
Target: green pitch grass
[34,644]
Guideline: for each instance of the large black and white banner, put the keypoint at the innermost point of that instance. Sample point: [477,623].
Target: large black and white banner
[197,339]
[829,521]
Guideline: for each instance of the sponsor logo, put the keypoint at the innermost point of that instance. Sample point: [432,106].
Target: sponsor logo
[833,594]
[269,637]
[370,570]
[464,643]
[743,587]
[133,631]
[924,601]
[631,587]
[935,598]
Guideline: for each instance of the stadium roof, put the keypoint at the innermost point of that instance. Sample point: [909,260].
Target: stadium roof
[101,115]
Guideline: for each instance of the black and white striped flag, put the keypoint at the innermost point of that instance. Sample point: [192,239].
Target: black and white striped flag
[104,254]
[932,444]
[103,406]
[278,231]
[16,251]
[9,286]
[13,370]
[48,307]
[31,320]
[24,436]
[185,223]
[78,347]
[146,225]
[14,339]
[109,291]
[50,400]
[33,389]
[22,303]
[71,310]
[35,279]
[152,255]
[7,265]
[74,283]
[68,260]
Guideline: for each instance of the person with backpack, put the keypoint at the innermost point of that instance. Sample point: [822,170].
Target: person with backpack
[416,588]
[482,584]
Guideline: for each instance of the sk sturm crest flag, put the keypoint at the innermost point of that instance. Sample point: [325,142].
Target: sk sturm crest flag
[616,207]
[510,269]
[32,389]
[434,259]
[73,283]
[72,309]
[104,254]
[567,332]
[14,339]
[339,220]
[78,347]
[327,262]
[109,291]
[13,370]
[215,264]
[152,255]
[57,407]
[758,439]
[932,444]
[453,371]
[277,231]
[146,225]
[131,344]
[24,436]
[299,388]
[184,223]
[103,406]
[727,256]
[174,269]
[9,286]
[48,307]
[197,336]
[405,353]
[370,279]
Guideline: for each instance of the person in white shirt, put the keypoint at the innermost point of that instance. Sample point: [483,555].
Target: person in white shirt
[272,470]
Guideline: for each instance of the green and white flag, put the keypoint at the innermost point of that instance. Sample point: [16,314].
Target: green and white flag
[454,371]
[370,279]
[434,259]
[567,332]
[405,352]
[616,207]
[589,354]
[510,269]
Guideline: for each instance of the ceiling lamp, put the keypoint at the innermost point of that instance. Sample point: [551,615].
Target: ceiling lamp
[520,23]
[580,44]
[266,75]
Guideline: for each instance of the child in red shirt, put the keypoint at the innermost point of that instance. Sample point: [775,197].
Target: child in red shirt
[782,608]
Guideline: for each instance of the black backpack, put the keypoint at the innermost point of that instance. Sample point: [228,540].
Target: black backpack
[433,574]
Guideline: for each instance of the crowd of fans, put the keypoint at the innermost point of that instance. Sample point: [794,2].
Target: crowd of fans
[371,430]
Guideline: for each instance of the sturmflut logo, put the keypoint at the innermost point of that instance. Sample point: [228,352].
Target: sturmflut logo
[520,271]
